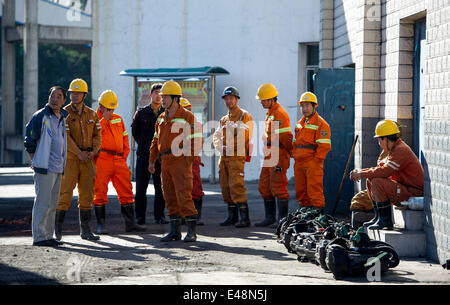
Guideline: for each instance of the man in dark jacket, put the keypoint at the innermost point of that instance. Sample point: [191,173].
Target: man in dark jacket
[143,130]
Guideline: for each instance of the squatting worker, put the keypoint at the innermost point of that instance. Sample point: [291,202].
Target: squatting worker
[197,187]
[143,130]
[397,179]
[84,139]
[312,143]
[112,165]
[277,141]
[177,142]
[232,140]
[46,144]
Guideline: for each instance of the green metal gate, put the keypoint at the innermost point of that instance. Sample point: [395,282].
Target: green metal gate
[335,89]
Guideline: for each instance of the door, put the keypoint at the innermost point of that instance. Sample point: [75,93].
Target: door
[335,89]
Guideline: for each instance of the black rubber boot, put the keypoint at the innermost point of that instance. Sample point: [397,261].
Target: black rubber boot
[100,214]
[384,217]
[130,220]
[85,229]
[59,219]
[191,234]
[283,208]
[375,219]
[175,229]
[232,215]
[244,217]
[198,206]
[270,213]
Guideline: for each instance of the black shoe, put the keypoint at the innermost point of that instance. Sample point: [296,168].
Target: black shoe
[283,209]
[191,234]
[270,213]
[130,221]
[375,218]
[384,217]
[198,206]
[44,243]
[140,220]
[59,219]
[244,221]
[55,242]
[85,229]
[175,229]
[232,216]
[100,214]
[161,221]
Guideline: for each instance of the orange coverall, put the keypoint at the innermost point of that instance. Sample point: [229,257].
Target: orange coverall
[278,139]
[83,134]
[176,166]
[397,178]
[311,145]
[232,161]
[111,162]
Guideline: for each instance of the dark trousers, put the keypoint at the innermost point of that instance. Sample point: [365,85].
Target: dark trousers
[142,181]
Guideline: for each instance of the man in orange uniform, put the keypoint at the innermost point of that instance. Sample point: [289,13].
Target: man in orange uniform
[112,165]
[177,141]
[395,179]
[232,139]
[311,145]
[84,139]
[197,187]
[277,146]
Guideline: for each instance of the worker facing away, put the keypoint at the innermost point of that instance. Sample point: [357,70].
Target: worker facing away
[312,143]
[112,165]
[197,187]
[232,140]
[177,142]
[277,147]
[394,180]
[84,139]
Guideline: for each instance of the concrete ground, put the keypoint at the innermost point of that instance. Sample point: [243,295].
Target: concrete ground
[221,256]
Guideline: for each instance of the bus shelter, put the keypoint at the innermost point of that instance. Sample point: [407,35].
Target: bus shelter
[198,85]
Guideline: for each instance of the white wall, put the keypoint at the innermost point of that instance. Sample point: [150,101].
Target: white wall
[56,14]
[255,40]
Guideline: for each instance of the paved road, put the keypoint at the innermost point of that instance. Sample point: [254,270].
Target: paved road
[222,256]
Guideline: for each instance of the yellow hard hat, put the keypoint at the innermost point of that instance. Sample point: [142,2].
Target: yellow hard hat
[267,92]
[308,97]
[185,102]
[386,128]
[171,88]
[108,99]
[78,85]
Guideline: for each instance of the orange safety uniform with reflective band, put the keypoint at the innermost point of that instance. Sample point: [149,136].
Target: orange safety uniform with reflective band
[111,162]
[236,128]
[277,146]
[396,178]
[83,134]
[311,145]
[176,159]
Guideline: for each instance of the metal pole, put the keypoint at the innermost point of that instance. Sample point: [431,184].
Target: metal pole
[8,98]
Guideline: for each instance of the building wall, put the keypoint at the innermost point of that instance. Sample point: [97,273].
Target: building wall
[257,41]
[378,37]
